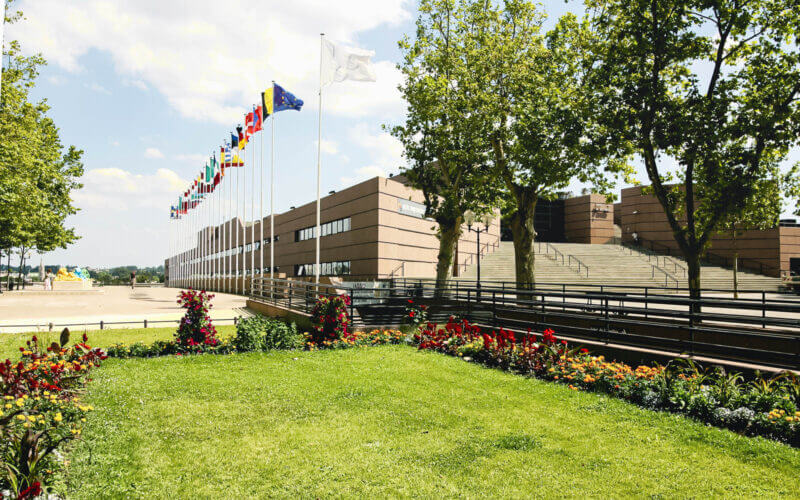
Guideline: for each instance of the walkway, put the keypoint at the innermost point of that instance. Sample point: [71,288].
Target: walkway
[112,304]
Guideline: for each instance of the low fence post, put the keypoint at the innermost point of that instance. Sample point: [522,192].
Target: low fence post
[145,323]
[290,295]
[352,305]
[494,309]
[763,309]
[101,324]
[469,304]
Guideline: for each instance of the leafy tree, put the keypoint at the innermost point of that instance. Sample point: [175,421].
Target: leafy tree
[708,94]
[442,135]
[760,212]
[538,117]
[36,175]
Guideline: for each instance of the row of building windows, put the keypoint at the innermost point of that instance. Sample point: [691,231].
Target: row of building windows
[326,269]
[245,272]
[332,227]
[234,251]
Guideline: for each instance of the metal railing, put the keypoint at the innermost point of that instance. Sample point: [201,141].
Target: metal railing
[483,250]
[566,260]
[756,330]
[146,323]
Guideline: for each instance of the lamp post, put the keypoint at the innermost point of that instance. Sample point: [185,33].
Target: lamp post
[471,219]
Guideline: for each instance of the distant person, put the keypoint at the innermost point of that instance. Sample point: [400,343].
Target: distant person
[48,281]
[133,279]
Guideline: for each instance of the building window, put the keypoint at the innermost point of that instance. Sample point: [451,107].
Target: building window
[326,269]
[328,228]
[258,245]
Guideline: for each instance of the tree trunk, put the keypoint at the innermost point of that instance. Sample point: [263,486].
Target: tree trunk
[693,263]
[523,232]
[449,232]
[8,271]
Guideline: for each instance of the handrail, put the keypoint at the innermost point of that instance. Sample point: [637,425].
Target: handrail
[676,266]
[580,264]
[564,261]
[401,267]
[468,261]
[666,275]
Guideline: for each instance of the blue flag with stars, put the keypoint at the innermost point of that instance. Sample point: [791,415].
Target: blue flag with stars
[284,100]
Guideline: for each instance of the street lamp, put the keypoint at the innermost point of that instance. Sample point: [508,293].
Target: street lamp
[471,219]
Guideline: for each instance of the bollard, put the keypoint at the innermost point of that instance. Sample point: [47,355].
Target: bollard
[145,323]
[50,327]
[101,324]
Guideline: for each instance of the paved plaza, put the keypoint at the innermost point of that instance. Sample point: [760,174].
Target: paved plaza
[29,311]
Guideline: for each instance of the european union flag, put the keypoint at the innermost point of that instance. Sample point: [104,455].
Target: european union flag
[284,100]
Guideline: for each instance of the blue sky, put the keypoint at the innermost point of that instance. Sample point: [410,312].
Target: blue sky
[149,89]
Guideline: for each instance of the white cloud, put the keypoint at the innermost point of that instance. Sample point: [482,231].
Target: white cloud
[115,143]
[210,64]
[135,83]
[118,189]
[96,87]
[384,151]
[56,80]
[153,154]
[328,147]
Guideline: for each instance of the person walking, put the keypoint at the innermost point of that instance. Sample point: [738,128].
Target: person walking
[133,280]
[48,281]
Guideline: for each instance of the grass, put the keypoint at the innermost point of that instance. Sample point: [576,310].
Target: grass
[11,342]
[393,422]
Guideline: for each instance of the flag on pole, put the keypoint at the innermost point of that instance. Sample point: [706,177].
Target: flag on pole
[258,119]
[248,121]
[234,141]
[242,137]
[340,63]
[217,170]
[283,100]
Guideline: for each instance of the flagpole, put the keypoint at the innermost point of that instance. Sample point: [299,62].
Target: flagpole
[229,233]
[272,194]
[253,209]
[236,274]
[319,154]
[261,196]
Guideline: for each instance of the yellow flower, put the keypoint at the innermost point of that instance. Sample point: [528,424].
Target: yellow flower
[20,402]
[8,405]
[32,418]
[20,417]
[58,417]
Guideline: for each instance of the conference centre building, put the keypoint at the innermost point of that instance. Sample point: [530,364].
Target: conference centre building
[377,229]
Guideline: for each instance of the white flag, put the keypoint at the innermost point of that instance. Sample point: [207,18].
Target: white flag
[341,63]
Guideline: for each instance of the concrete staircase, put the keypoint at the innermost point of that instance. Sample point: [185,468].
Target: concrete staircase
[610,265]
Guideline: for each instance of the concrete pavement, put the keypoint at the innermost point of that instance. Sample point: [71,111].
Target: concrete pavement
[24,312]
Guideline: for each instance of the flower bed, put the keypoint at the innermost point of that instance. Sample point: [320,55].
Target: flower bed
[765,407]
[41,409]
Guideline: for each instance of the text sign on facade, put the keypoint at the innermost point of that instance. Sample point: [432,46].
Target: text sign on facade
[412,208]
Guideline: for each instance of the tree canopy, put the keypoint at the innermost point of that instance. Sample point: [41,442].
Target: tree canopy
[37,173]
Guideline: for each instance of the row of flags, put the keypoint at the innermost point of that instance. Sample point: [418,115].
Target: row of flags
[337,63]
[273,100]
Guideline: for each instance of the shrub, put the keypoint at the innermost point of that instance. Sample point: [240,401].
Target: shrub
[263,333]
[416,314]
[196,331]
[40,410]
[329,319]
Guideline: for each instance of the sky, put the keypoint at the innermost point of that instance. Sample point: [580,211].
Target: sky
[150,89]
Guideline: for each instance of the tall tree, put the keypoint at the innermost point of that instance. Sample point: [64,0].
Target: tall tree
[708,94]
[37,175]
[538,117]
[442,134]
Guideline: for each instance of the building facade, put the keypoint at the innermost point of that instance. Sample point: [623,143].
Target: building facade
[374,229]
[772,252]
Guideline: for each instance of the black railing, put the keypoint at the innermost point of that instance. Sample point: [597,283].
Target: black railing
[759,330]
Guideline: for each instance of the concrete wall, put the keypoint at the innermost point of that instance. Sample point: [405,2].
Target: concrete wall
[588,219]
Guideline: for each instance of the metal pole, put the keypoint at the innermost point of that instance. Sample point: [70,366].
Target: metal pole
[272,199]
[261,193]
[253,208]
[237,222]
[319,153]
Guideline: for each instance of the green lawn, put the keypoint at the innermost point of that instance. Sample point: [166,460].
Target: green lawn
[391,421]
[11,342]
